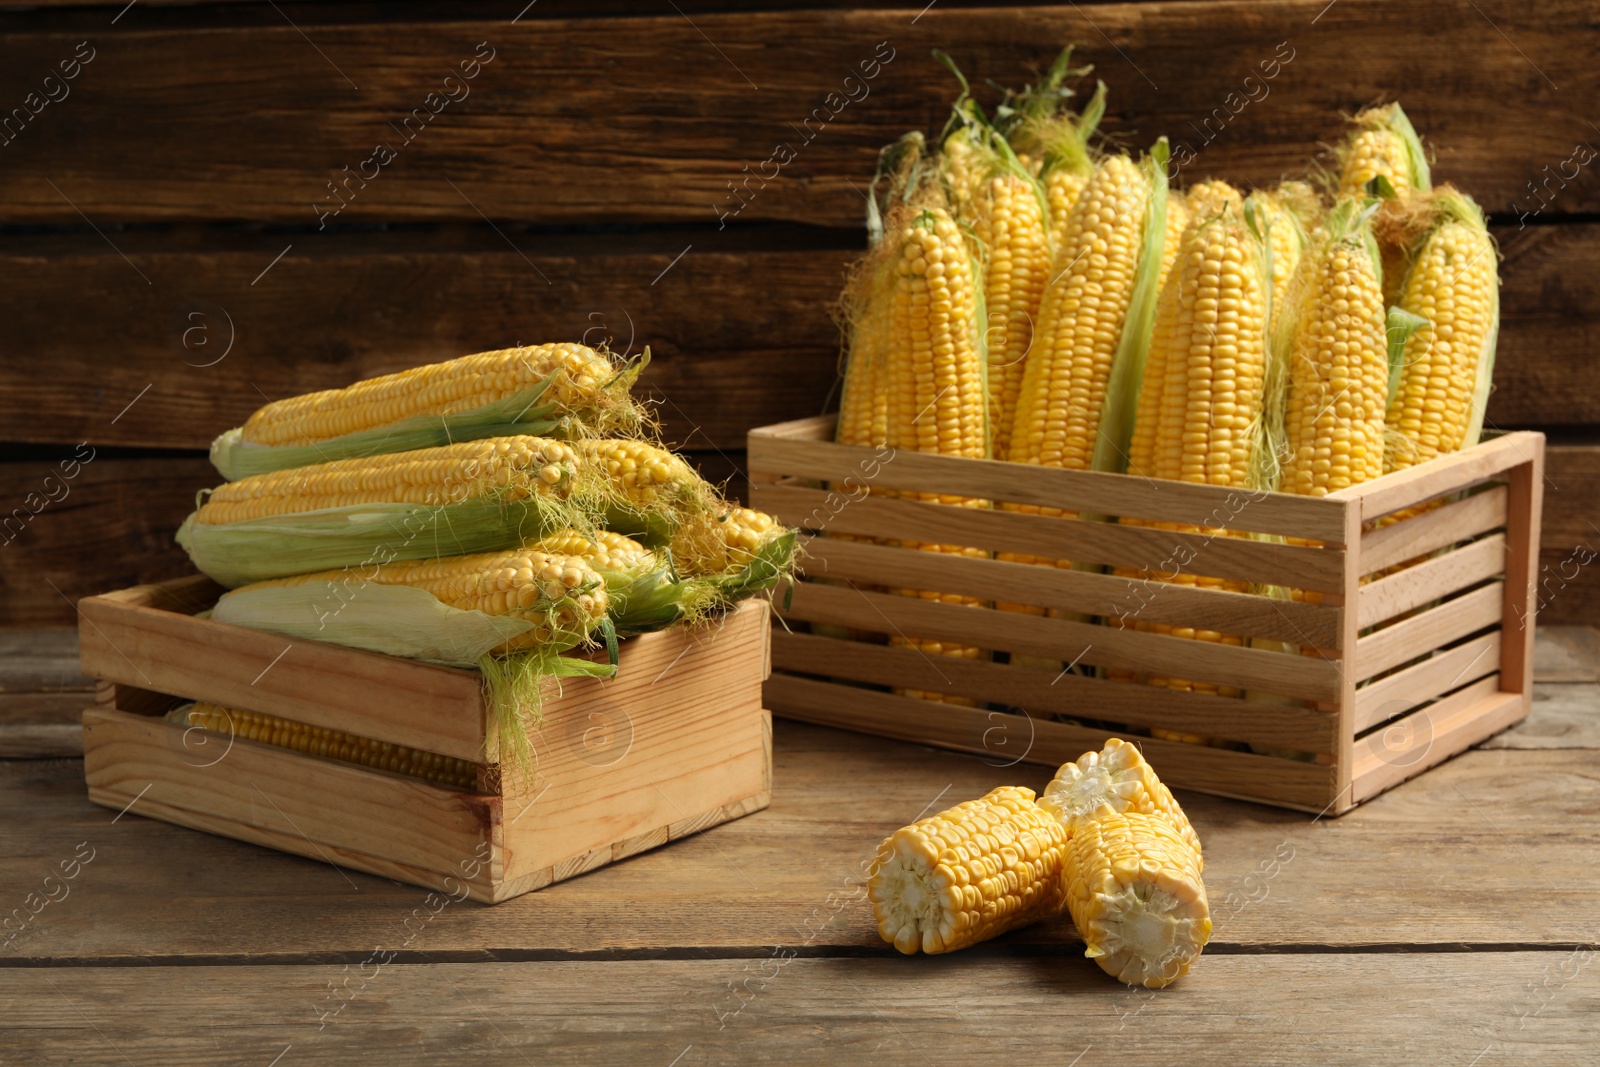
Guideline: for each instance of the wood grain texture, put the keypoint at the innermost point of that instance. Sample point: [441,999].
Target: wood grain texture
[642,88]
[792,875]
[1444,1008]
[1564,715]
[736,307]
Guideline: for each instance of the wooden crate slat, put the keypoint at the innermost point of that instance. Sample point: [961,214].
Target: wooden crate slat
[1387,697]
[1044,692]
[1085,491]
[437,709]
[1104,543]
[1438,528]
[1431,580]
[1446,474]
[1286,782]
[1526,502]
[1174,657]
[1407,747]
[1226,612]
[349,807]
[1417,636]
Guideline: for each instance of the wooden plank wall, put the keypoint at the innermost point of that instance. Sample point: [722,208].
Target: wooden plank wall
[170,252]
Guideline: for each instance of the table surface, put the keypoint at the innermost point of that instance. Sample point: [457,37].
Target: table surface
[1453,920]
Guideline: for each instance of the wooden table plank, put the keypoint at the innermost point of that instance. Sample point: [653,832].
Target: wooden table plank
[982,1006]
[1276,878]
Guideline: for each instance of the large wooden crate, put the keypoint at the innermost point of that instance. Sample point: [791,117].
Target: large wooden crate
[1407,667]
[678,741]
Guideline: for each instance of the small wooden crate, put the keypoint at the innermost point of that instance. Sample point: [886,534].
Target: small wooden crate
[677,742]
[1411,666]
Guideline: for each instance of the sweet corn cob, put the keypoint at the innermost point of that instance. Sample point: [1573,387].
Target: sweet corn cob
[1136,897]
[1338,374]
[1448,362]
[1044,129]
[1010,224]
[1177,222]
[577,374]
[604,550]
[1211,198]
[513,468]
[1114,779]
[864,406]
[332,744]
[969,873]
[730,541]
[640,472]
[1287,238]
[562,596]
[1383,144]
[936,396]
[1080,323]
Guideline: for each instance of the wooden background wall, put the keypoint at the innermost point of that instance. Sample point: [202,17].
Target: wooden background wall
[166,262]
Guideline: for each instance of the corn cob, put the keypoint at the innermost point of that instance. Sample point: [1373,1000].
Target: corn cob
[1177,222]
[1211,198]
[642,490]
[1136,897]
[436,389]
[936,394]
[1044,129]
[1448,362]
[604,550]
[864,405]
[331,744]
[1338,373]
[562,596]
[514,468]
[969,873]
[1384,145]
[1114,779]
[1010,223]
[1287,239]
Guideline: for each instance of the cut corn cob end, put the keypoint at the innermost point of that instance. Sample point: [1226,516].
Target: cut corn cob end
[1115,779]
[969,873]
[328,743]
[1137,898]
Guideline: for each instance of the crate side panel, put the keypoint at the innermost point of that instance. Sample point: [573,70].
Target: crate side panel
[1434,529]
[401,701]
[1274,672]
[322,802]
[1243,775]
[1443,475]
[1087,491]
[1387,698]
[1435,628]
[1107,595]
[1431,735]
[1430,580]
[1045,693]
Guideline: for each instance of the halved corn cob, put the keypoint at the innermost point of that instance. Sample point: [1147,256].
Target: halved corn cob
[331,744]
[514,468]
[516,390]
[1115,779]
[1136,896]
[969,873]
[1447,364]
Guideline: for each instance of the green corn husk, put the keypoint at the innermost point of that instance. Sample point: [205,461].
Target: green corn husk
[359,535]
[524,412]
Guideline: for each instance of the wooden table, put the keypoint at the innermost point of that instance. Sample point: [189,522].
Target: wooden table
[1454,920]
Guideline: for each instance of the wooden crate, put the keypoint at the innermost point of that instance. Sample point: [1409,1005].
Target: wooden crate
[1408,667]
[677,742]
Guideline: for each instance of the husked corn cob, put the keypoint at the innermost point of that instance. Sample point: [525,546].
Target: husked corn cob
[516,467]
[561,595]
[1045,131]
[578,375]
[1383,144]
[1287,239]
[1338,374]
[641,472]
[936,396]
[864,405]
[729,541]
[1136,897]
[332,744]
[1211,198]
[1177,222]
[1445,369]
[1010,223]
[604,550]
[1114,779]
[1200,409]
[1080,323]
[969,873]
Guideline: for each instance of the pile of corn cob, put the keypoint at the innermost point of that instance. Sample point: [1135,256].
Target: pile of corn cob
[1029,299]
[493,511]
[1107,842]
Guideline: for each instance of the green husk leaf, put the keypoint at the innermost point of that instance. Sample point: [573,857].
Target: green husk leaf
[1402,324]
[397,620]
[524,412]
[1127,369]
[1416,155]
[361,535]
